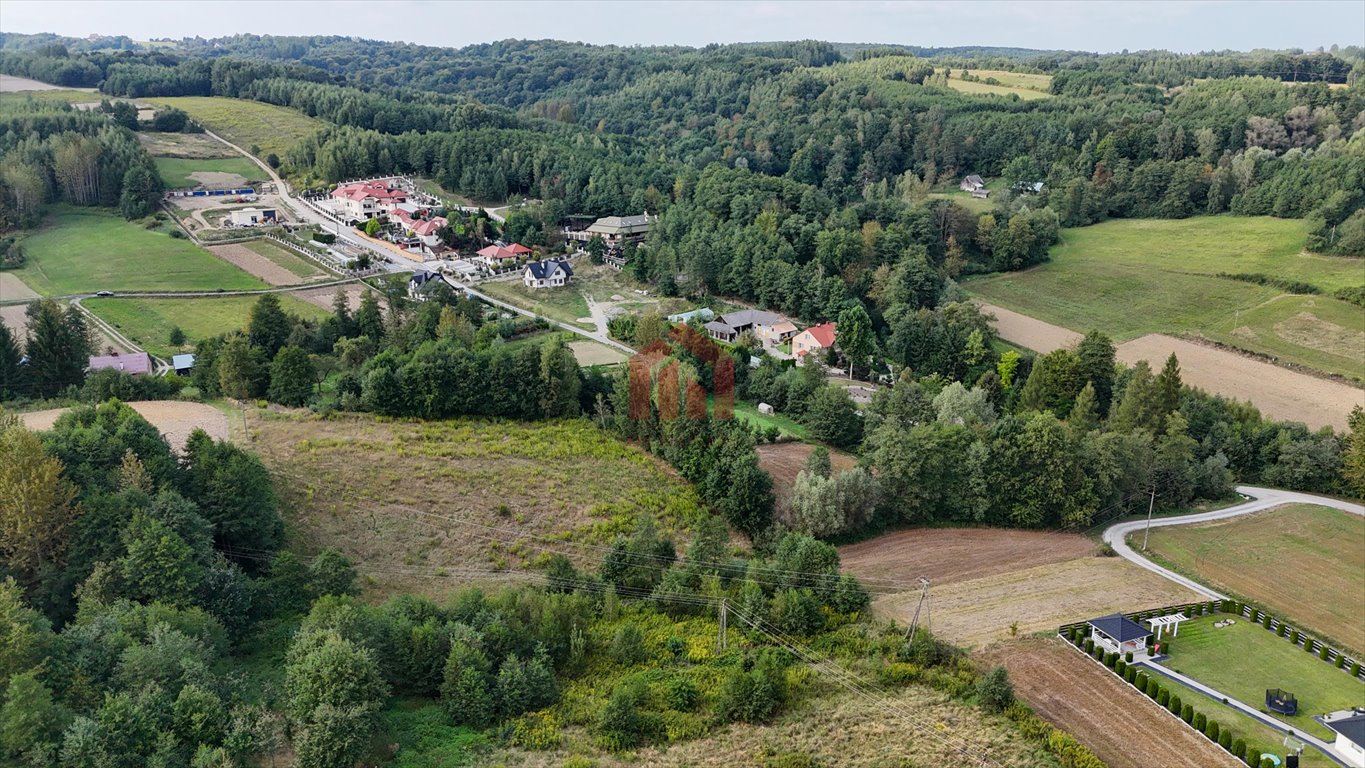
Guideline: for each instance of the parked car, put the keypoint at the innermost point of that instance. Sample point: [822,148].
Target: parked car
[104,293]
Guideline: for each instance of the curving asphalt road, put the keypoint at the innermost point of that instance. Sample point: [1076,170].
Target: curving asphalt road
[1261,499]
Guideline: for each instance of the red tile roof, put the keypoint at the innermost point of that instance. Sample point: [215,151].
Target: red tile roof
[503,251]
[377,189]
[420,227]
[823,333]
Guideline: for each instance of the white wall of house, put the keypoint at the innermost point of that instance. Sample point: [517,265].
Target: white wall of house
[1349,751]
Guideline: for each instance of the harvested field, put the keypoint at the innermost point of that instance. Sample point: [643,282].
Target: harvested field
[1037,599]
[15,84]
[1278,392]
[14,289]
[1030,332]
[418,498]
[784,462]
[184,145]
[589,353]
[322,297]
[15,317]
[174,418]
[949,555]
[1301,561]
[1104,713]
[253,263]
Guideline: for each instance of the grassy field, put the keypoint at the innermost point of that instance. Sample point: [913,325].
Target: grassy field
[1132,277]
[1244,659]
[1267,739]
[81,250]
[565,304]
[1302,561]
[197,145]
[290,261]
[1025,86]
[148,322]
[246,123]
[352,477]
[177,172]
[749,412]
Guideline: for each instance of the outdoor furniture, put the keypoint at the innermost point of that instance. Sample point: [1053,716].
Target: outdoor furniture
[1280,701]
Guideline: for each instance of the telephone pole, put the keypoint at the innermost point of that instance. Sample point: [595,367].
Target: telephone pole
[721,638]
[1150,504]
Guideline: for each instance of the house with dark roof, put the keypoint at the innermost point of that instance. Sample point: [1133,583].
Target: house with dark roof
[728,327]
[422,283]
[615,231]
[1120,634]
[547,273]
[975,185]
[1349,726]
[134,363]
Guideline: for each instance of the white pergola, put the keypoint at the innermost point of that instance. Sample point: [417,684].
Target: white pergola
[1160,623]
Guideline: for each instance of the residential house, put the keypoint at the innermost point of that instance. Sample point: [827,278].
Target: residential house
[499,256]
[777,333]
[135,363]
[424,230]
[975,185]
[252,217]
[615,231]
[547,273]
[730,326]
[364,200]
[1349,726]
[422,283]
[813,340]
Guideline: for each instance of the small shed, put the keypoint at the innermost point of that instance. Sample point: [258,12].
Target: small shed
[182,363]
[764,408]
[1120,634]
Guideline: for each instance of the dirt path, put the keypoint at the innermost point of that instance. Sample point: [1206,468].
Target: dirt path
[255,264]
[947,555]
[174,418]
[1278,392]
[1107,715]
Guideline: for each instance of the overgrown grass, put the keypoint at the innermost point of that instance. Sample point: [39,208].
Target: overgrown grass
[177,172]
[247,123]
[1133,277]
[83,250]
[426,739]
[1026,87]
[148,322]
[565,304]
[1243,660]
[787,425]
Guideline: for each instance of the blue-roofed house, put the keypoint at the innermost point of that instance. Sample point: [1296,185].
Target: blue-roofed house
[1120,634]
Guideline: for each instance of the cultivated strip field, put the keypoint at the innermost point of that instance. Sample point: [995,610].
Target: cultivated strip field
[1106,714]
[1300,561]
[1278,392]
[950,555]
[174,418]
[252,261]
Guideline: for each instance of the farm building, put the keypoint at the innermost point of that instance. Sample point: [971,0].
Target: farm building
[136,363]
[729,327]
[1349,726]
[615,231]
[363,200]
[253,217]
[975,185]
[550,273]
[182,364]
[1120,634]
[813,340]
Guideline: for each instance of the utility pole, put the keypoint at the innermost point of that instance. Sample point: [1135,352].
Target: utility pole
[1150,504]
[721,639]
[914,621]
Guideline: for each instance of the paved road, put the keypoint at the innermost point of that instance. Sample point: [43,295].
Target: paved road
[1261,499]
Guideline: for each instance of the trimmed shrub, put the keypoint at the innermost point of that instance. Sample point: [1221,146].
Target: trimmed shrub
[1199,721]
[1089,645]
[1109,659]
[1323,652]
[1239,747]
[1163,697]
[1341,661]
[1166,645]
[1284,630]
[1265,620]
[1174,706]
[1130,674]
[1267,763]
[1355,669]
[1128,656]
[1225,740]
[1252,756]
[1141,681]
[1153,688]
[1098,653]
[1121,667]
[1187,713]
[1211,730]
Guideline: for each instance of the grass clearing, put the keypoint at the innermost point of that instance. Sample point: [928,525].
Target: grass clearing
[788,426]
[1301,561]
[565,304]
[179,172]
[351,475]
[247,123]
[82,250]
[185,145]
[1132,277]
[148,322]
[1244,659]
[1025,92]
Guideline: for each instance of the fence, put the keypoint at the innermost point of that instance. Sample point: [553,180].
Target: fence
[1299,637]
[324,261]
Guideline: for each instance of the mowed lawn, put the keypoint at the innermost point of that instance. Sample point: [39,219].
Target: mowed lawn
[246,123]
[82,250]
[149,321]
[1301,561]
[290,261]
[177,172]
[1244,659]
[1133,277]
[565,304]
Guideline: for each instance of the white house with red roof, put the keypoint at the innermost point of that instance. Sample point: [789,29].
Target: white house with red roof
[498,256]
[813,340]
[364,200]
[423,229]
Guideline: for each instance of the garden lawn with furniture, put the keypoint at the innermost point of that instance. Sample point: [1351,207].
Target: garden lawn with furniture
[1244,659]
